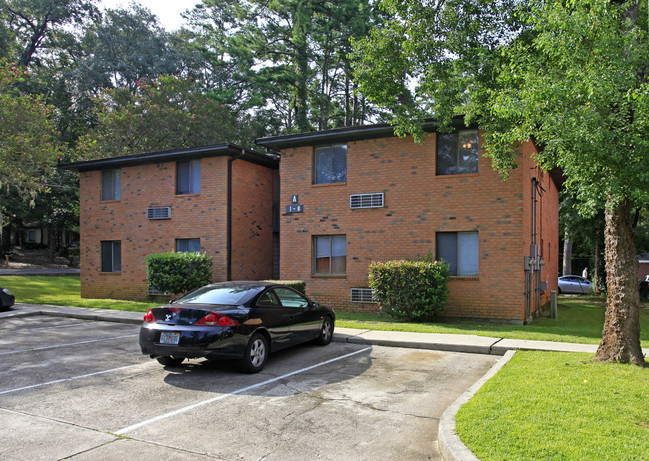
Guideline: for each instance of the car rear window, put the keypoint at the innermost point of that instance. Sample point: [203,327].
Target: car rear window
[216,295]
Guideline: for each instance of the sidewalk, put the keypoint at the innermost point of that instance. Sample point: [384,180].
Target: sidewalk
[450,444]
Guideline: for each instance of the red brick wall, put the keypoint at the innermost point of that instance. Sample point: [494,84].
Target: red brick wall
[547,225]
[547,229]
[417,205]
[201,216]
[252,221]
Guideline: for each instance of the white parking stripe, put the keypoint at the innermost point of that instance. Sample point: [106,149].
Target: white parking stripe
[238,391]
[66,345]
[73,378]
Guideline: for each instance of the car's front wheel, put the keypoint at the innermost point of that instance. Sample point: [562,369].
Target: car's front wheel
[170,360]
[326,332]
[256,354]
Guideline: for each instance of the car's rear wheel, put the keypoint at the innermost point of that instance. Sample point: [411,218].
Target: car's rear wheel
[326,332]
[256,354]
[170,360]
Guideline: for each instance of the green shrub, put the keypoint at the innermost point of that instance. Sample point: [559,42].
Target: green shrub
[178,273]
[411,290]
[299,285]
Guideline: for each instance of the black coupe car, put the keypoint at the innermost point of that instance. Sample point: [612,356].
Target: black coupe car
[234,320]
[6,298]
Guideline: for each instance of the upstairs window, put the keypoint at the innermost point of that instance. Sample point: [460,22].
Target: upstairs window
[188,177]
[330,254]
[188,245]
[330,164]
[460,250]
[457,153]
[111,184]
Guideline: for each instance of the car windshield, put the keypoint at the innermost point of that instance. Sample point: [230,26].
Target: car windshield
[215,295]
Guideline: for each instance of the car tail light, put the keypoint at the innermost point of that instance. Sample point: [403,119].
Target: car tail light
[213,319]
[148,317]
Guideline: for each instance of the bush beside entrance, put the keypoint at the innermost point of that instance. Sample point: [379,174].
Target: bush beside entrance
[178,273]
[410,290]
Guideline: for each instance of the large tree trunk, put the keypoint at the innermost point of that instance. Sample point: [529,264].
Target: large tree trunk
[301,65]
[5,235]
[595,266]
[621,335]
[567,253]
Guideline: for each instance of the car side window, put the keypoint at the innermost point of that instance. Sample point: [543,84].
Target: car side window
[290,298]
[269,299]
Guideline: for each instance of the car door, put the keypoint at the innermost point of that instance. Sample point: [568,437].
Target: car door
[305,323]
[572,285]
[269,313]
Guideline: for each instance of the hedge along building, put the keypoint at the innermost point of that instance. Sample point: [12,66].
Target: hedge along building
[355,195]
[215,199]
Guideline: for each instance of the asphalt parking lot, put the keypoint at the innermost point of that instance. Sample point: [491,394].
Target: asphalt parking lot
[81,390]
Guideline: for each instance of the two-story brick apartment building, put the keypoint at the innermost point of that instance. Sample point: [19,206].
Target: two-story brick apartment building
[355,195]
[216,199]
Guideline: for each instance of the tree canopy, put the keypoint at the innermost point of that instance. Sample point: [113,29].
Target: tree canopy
[163,114]
[28,137]
[572,76]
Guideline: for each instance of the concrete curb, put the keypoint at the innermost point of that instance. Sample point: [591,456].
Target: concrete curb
[431,341]
[450,445]
[82,313]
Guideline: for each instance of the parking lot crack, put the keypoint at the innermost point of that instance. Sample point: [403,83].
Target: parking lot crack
[374,407]
[57,420]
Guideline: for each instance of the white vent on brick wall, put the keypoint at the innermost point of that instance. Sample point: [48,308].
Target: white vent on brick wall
[363,295]
[158,212]
[366,200]
[154,292]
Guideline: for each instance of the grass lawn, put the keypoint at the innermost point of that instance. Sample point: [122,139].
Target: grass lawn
[559,406]
[63,291]
[580,320]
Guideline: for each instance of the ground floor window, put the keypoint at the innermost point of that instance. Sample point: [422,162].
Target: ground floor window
[460,250]
[329,254]
[111,256]
[188,245]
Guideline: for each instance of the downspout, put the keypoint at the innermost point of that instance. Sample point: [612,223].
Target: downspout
[229,227]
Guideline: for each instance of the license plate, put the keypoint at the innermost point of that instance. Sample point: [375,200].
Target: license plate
[169,338]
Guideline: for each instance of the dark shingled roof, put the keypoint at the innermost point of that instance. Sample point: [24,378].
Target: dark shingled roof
[232,150]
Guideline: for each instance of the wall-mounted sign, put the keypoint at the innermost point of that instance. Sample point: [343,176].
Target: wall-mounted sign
[294,199]
[294,208]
